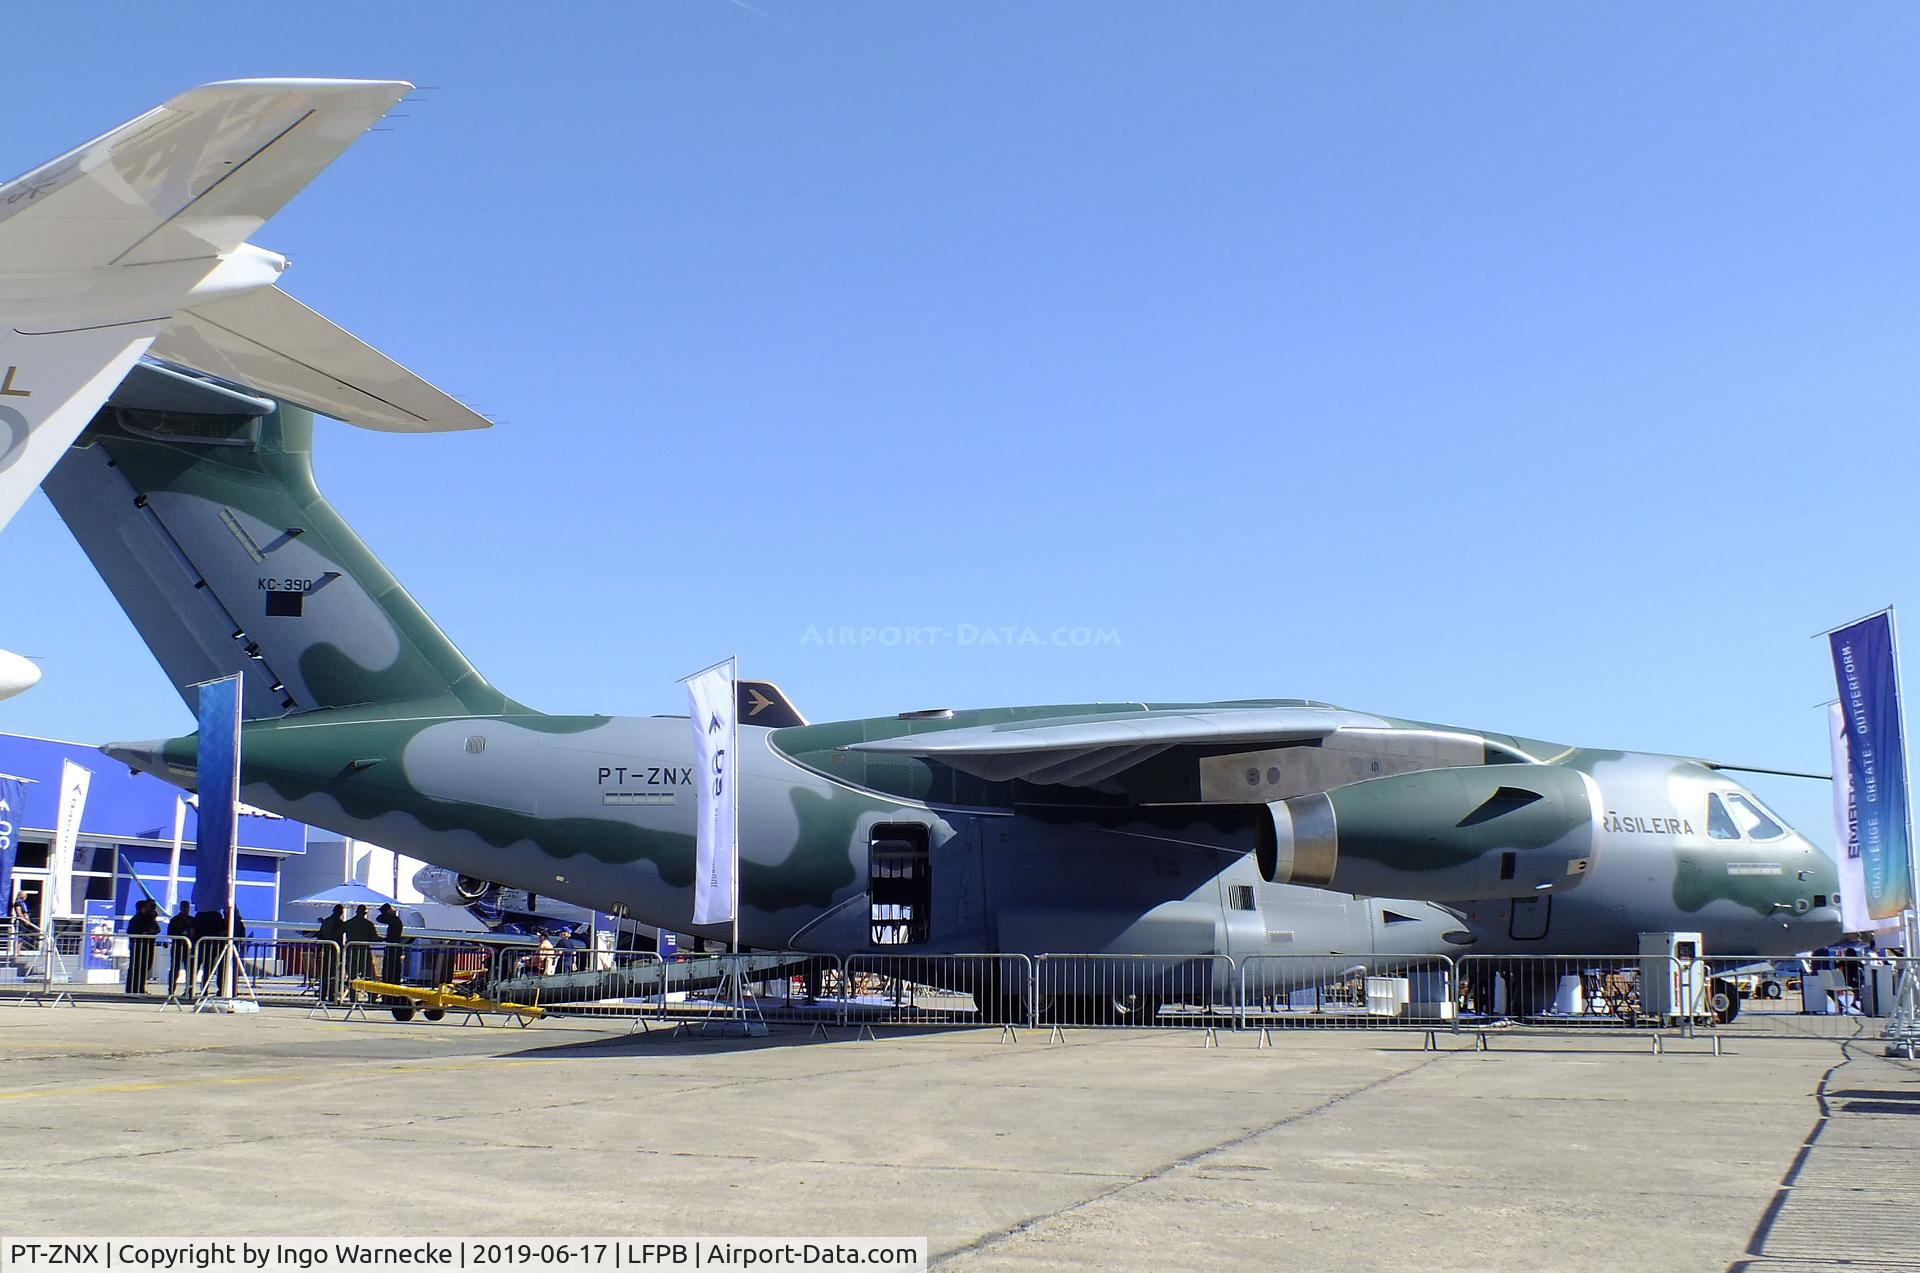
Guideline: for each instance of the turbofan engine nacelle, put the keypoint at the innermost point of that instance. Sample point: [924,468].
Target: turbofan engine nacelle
[1438,835]
[469,889]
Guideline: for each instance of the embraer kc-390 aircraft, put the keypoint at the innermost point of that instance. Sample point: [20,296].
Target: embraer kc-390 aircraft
[1264,826]
[1180,829]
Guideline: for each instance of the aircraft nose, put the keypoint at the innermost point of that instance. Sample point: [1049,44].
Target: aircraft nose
[17,675]
[147,757]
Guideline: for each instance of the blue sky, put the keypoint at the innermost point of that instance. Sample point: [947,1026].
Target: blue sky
[1502,365]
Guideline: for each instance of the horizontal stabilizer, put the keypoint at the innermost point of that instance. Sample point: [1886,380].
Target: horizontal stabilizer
[270,342]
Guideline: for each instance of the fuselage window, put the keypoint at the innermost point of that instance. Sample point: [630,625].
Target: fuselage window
[1759,825]
[1720,824]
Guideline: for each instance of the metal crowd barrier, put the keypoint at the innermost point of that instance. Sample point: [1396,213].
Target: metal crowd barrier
[756,986]
[1141,991]
[694,989]
[267,970]
[936,990]
[1367,992]
[43,966]
[1581,991]
[16,960]
[1816,996]
[778,986]
[1820,996]
[618,984]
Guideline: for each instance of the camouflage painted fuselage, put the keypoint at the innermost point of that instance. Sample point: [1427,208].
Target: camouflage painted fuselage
[1271,826]
[599,811]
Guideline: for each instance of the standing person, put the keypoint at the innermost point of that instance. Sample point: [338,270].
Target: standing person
[207,924]
[237,928]
[180,947]
[23,927]
[393,958]
[331,933]
[361,935]
[142,928]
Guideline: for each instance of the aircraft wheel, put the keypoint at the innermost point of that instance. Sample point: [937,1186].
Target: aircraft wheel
[1135,1009]
[1107,1009]
[434,1014]
[402,1014]
[1771,989]
[1724,1000]
[997,1005]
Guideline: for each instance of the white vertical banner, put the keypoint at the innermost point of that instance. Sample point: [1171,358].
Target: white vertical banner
[173,860]
[710,696]
[74,782]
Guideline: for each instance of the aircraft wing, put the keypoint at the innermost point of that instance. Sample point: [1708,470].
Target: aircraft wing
[192,178]
[1087,750]
[99,247]
[268,341]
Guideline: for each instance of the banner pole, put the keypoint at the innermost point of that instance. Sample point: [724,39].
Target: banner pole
[1886,610]
[733,744]
[228,982]
[173,861]
[1910,928]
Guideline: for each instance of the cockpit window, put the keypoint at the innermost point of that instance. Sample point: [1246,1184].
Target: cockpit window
[1759,825]
[1720,824]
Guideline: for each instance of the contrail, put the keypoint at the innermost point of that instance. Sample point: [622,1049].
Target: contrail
[762,13]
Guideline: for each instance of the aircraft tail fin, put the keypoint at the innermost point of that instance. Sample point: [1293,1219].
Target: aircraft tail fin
[763,703]
[197,505]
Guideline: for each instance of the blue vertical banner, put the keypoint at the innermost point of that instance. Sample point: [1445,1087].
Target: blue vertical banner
[1866,674]
[96,954]
[13,803]
[218,770]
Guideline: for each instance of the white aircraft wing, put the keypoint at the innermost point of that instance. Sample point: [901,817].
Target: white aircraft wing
[99,247]
[194,177]
[1085,750]
[268,341]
